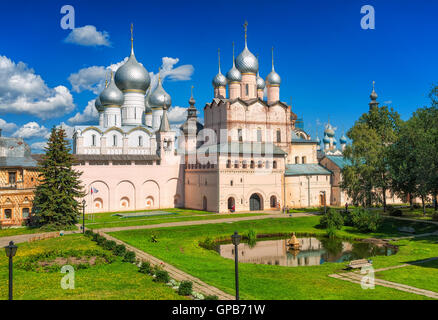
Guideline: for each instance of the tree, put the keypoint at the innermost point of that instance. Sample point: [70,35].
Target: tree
[56,202]
[367,179]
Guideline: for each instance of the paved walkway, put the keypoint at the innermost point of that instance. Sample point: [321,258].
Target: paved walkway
[356,278]
[4,241]
[175,273]
[200,222]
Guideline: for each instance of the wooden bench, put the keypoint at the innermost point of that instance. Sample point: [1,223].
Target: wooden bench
[356,264]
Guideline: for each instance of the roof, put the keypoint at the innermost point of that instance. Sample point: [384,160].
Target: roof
[253,148]
[305,169]
[22,162]
[339,161]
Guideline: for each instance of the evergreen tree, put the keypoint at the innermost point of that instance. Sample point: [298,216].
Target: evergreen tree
[56,203]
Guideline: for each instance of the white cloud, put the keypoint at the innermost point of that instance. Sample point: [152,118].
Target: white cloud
[38,146]
[23,91]
[177,114]
[89,115]
[31,130]
[88,36]
[181,73]
[7,126]
[92,78]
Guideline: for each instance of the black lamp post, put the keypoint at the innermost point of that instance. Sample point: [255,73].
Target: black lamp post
[235,238]
[10,250]
[83,216]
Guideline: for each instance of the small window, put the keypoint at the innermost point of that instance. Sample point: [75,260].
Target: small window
[259,164]
[93,140]
[268,164]
[297,160]
[25,213]
[274,165]
[303,159]
[140,141]
[228,163]
[244,164]
[247,89]
[252,164]
[12,177]
[8,213]
[278,135]
[114,140]
[236,164]
[231,183]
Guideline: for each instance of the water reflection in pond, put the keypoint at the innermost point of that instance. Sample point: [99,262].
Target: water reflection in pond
[313,251]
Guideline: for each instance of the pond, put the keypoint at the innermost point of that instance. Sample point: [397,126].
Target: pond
[313,251]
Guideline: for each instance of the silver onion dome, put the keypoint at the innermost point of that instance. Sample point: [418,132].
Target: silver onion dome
[132,75]
[260,82]
[234,75]
[273,78]
[98,104]
[219,80]
[159,98]
[246,62]
[111,95]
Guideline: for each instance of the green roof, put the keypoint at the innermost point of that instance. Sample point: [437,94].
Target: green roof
[305,169]
[339,161]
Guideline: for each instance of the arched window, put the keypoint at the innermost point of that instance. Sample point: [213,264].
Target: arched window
[244,164]
[274,165]
[260,164]
[247,89]
[259,135]
[303,159]
[297,160]
[252,164]
[228,163]
[236,164]
[273,201]
[240,135]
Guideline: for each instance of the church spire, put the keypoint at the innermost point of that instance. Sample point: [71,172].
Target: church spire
[132,39]
[272,53]
[164,126]
[373,97]
[245,27]
[219,59]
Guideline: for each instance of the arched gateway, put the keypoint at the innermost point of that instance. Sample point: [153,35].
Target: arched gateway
[255,202]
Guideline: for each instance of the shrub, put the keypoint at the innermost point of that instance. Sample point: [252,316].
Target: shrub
[211,297]
[89,233]
[208,243]
[109,245]
[145,267]
[435,216]
[162,276]
[185,288]
[120,250]
[331,232]
[347,215]
[129,257]
[95,236]
[366,221]
[100,240]
[252,237]
[331,219]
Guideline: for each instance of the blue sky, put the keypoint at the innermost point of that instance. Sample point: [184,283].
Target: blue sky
[326,61]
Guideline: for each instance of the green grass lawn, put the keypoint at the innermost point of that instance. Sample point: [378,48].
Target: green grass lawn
[179,246]
[420,275]
[117,280]
[109,220]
